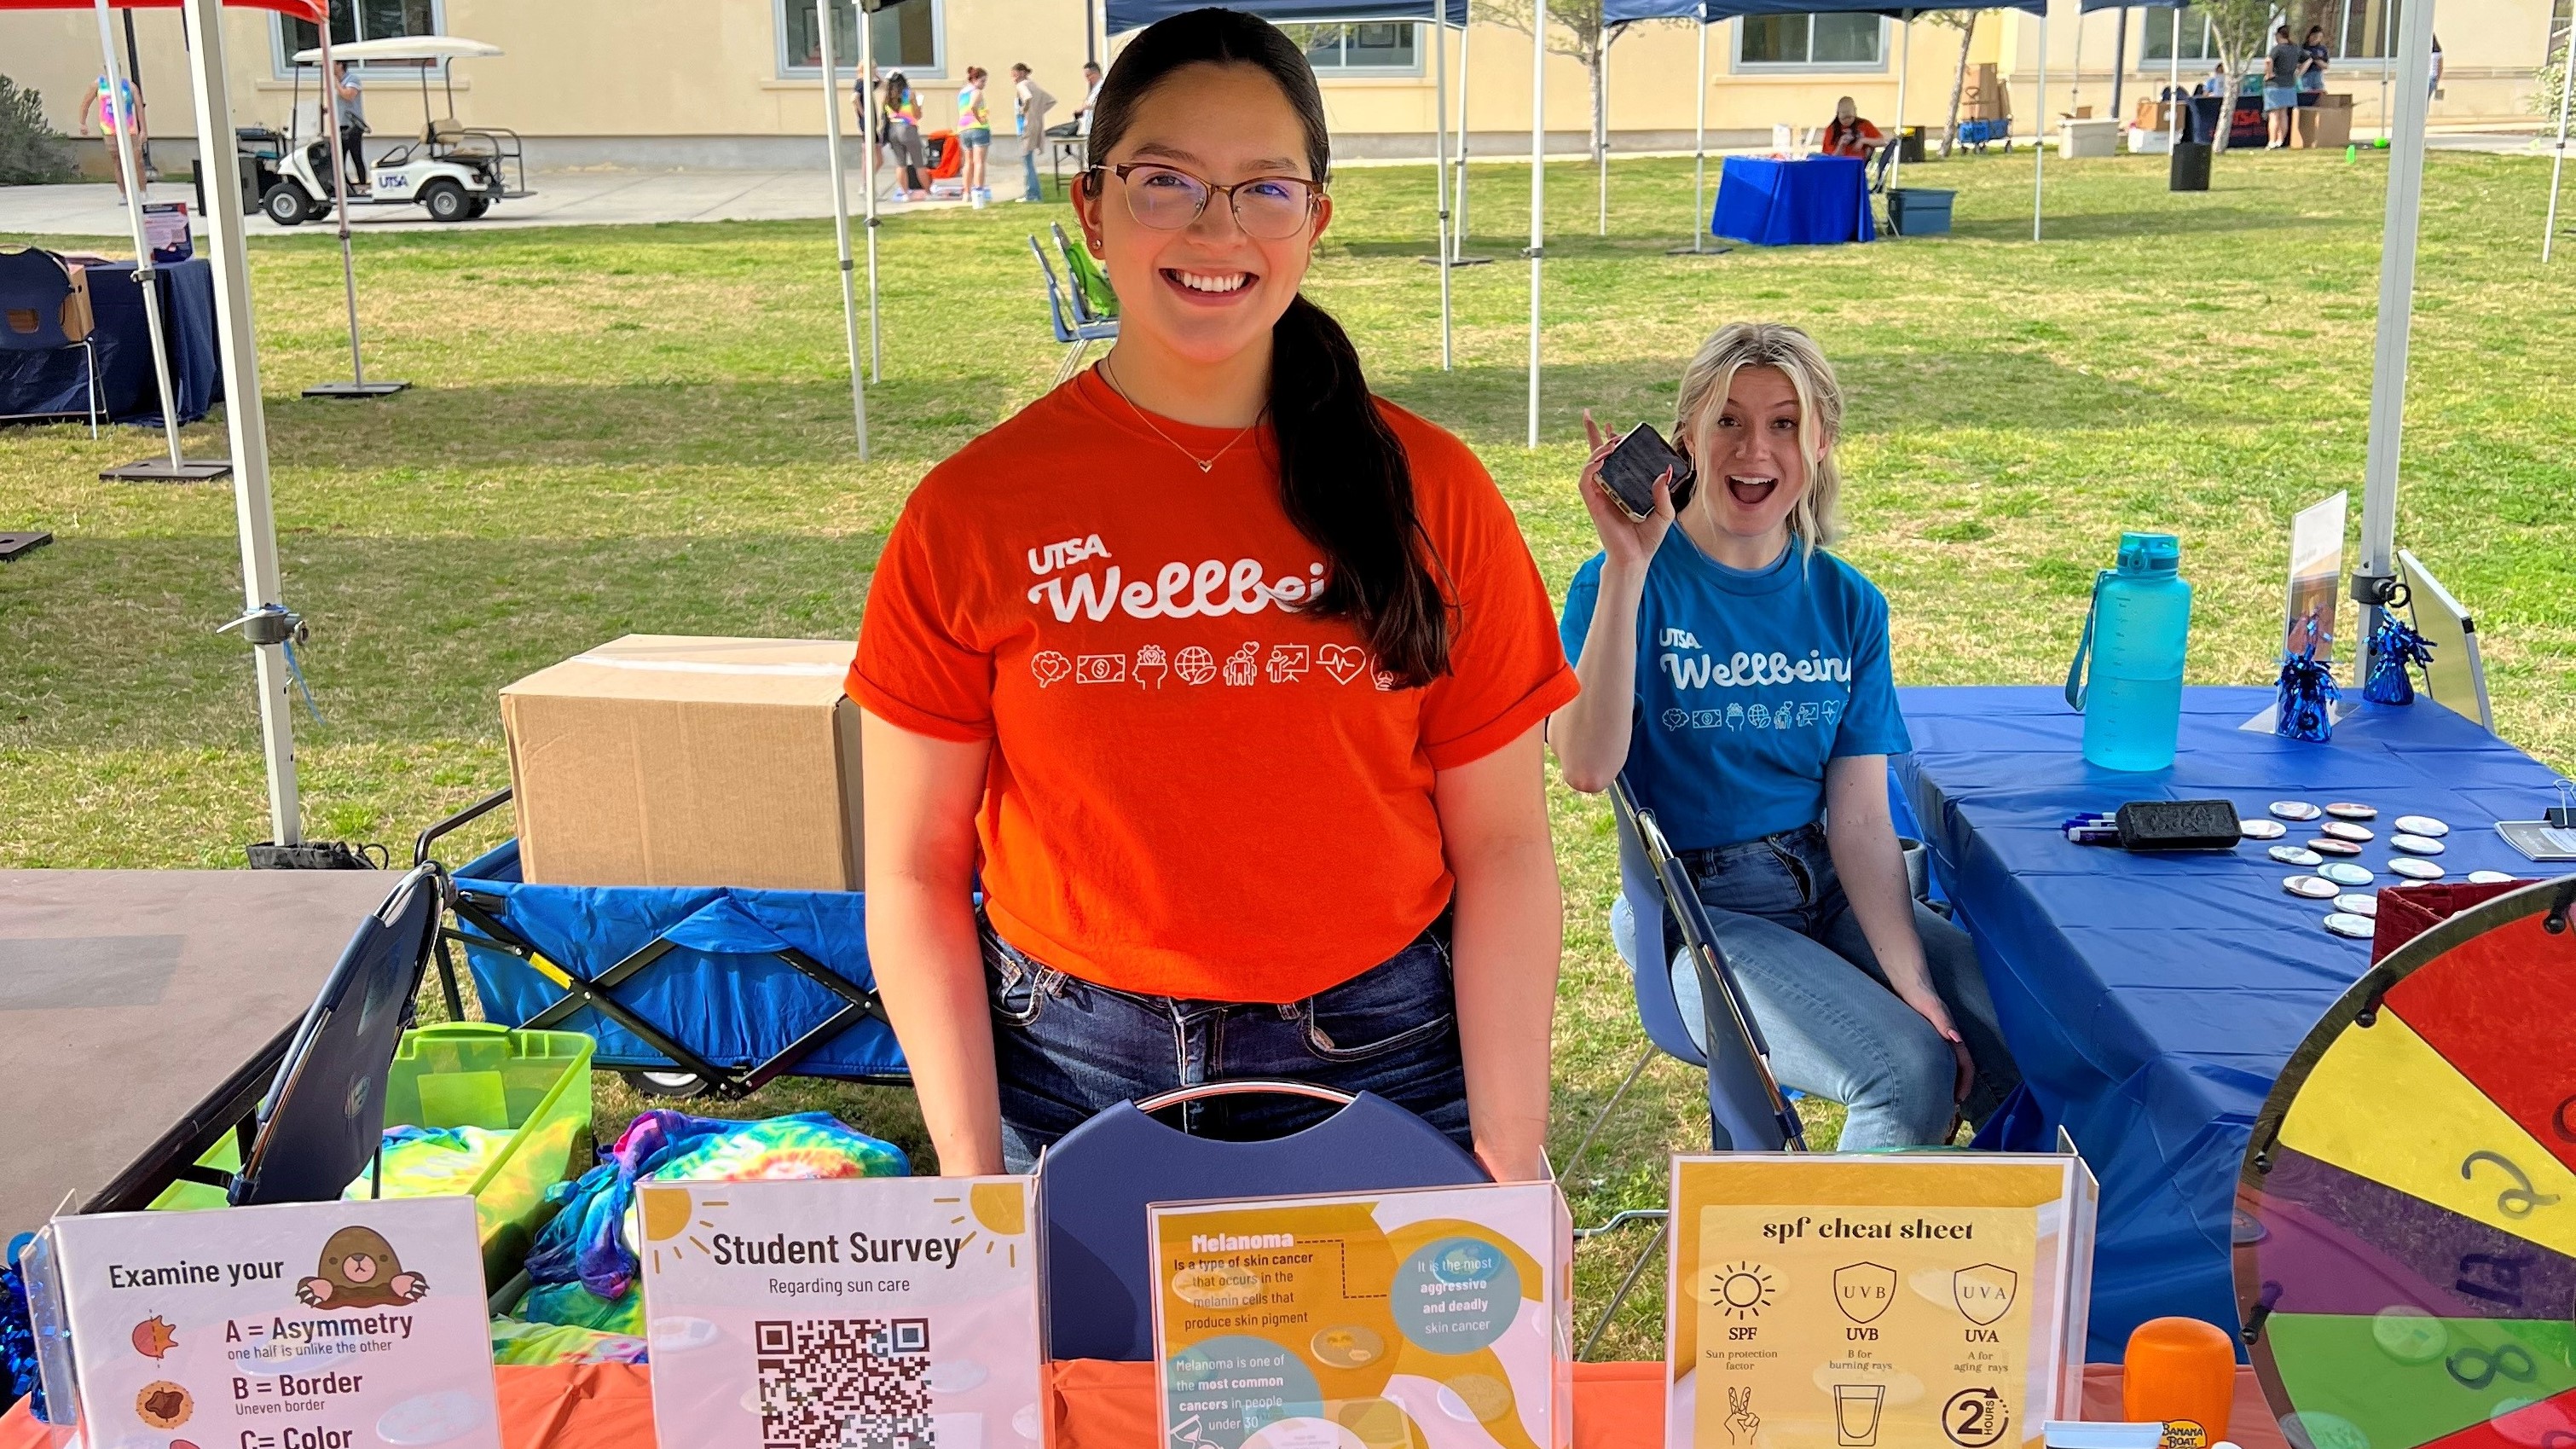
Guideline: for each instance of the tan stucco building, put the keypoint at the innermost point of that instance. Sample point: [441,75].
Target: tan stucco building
[657,83]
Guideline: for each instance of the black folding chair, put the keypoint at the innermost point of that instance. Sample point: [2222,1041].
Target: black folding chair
[323,1120]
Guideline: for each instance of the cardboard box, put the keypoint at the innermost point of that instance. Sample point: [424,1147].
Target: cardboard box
[2325,126]
[1985,97]
[667,760]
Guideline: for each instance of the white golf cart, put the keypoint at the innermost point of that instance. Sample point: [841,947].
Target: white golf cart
[455,172]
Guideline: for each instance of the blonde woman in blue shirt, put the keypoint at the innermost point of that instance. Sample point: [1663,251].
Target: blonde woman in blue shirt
[1738,674]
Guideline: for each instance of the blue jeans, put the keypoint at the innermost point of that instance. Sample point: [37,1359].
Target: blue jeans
[1065,1048]
[1029,168]
[1835,1027]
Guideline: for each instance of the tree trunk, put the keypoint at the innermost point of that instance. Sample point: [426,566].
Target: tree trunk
[2226,103]
[1597,63]
[1958,86]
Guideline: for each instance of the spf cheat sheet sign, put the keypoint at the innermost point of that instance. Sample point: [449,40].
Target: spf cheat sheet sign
[1876,1302]
[894,1311]
[342,1325]
[1430,1317]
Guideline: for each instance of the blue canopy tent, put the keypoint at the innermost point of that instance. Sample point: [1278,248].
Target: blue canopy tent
[1129,15]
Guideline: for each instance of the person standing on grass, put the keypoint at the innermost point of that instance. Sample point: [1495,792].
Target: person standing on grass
[1224,678]
[2281,87]
[975,133]
[1030,113]
[1736,675]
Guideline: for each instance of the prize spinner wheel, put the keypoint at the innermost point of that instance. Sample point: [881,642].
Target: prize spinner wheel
[2408,1276]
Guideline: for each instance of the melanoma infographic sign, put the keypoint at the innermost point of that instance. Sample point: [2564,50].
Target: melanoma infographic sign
[1432,1317]
[1876,1302]
[853,1311]
[340,1325]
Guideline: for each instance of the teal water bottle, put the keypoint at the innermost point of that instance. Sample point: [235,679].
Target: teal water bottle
[2135,634]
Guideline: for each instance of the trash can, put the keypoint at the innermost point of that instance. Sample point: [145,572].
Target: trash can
[1909,145]
[1919,210]
[2190,169]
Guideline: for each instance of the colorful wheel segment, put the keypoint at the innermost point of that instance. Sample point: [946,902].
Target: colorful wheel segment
[2409,1278]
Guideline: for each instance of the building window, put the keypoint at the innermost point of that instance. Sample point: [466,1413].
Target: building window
[2199,41]
[1833,41]
[1359,50]
[354,20]
[907,35]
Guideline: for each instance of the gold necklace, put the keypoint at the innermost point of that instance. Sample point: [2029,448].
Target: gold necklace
[1205,464]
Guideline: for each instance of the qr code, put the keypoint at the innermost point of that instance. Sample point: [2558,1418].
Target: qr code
[844,1383]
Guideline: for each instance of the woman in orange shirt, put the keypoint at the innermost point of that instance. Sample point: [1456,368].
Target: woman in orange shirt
[1224,677]
[1850,134]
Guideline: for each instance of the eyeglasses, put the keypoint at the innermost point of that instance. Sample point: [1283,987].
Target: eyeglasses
[1166,198]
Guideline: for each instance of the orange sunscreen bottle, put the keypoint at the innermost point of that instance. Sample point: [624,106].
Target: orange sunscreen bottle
[2181,1372]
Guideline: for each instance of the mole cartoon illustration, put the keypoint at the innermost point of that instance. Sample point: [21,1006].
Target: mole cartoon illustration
[359,1270]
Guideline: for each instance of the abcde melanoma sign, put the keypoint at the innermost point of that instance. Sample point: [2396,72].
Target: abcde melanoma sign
[1429,1317]
[1875,1302]
[342,1325]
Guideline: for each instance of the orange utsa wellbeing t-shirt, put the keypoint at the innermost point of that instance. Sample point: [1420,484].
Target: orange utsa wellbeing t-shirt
[1195,790]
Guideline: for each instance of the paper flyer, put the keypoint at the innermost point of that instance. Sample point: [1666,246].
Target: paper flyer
[341,1325]
[869,1311]
[1875,1302]
[1427,1319]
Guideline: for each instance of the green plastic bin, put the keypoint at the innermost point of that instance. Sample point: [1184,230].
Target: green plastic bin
[534,1085]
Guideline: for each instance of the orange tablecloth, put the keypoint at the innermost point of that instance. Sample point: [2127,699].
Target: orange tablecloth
[1111,1406]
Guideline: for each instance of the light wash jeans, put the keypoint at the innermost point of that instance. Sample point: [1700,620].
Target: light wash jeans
[1029,167]
[1835,1028]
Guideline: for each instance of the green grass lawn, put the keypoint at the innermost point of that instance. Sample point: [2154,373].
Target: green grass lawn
[647,429]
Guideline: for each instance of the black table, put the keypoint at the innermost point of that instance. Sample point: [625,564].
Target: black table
[56,384]
[144,1012]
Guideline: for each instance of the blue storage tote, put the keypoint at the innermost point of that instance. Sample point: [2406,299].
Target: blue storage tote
[747,981]
[1919,211]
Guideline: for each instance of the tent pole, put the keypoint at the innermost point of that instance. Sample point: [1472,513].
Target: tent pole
[1440,173]
[2387,55]
[2558,162]
[144,278]
[2038,133]
[2396,312]
[2119,61]
[1458,228]
[244,414]
[330,99]
[841,212]
[1904,71]
[2177,105]
[866,89]
[1699,141]
[1538,197]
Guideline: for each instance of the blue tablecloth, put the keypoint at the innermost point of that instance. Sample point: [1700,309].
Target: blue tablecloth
[2151,1000]
[56,383]
[1818,201]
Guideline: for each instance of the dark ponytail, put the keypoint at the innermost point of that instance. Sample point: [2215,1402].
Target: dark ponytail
[1344,480]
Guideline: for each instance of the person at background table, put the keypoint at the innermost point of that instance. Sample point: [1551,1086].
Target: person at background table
[1029,111]
[2281,87]
[349,96]
[975,133]
[1090,98]
[1849,135]
[903,133]
[1737,675]
[2314,58]
[114,116]
[1229,679]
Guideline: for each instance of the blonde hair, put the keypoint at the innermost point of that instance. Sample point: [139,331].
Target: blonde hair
[1711,375]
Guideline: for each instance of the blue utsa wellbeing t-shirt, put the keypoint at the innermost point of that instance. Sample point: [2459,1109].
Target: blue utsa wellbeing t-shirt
[1747,683]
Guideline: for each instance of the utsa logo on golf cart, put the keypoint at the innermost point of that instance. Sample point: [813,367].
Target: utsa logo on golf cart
[453,171]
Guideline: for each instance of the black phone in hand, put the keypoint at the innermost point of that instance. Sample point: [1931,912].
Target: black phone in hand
[1632,468]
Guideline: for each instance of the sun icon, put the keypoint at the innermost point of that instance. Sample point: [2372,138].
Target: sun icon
[667,1212]
[1740,1290]
[998,1208]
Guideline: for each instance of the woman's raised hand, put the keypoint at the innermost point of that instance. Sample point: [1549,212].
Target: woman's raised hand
[1629,543]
